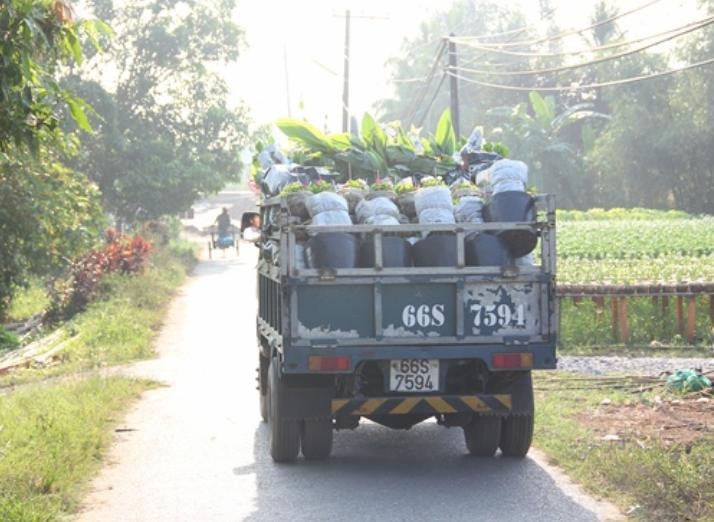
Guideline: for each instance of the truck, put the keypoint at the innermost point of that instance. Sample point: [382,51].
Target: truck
[400,345]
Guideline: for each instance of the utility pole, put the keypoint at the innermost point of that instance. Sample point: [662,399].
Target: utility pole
[346,73]
[346,77]
[454,88]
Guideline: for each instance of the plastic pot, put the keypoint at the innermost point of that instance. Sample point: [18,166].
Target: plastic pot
[438,249]
[513,207]
[333,250]
[486,250]
[396,252]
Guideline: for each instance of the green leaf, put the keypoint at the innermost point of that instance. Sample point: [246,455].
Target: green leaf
[305,134]
[78,110]
[373,135]
[444,136]
[543,110]
[340,141]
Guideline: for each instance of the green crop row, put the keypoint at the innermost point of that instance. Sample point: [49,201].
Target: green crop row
[635,239]
[645,214]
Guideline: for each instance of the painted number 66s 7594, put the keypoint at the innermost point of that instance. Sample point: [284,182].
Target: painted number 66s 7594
[499,315]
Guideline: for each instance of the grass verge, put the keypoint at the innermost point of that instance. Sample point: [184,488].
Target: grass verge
[51,442]
[648,477]
[120,326]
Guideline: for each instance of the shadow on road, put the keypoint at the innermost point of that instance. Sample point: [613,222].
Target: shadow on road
[420,474]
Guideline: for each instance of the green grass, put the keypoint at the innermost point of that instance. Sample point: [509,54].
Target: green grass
[668,483]
[120,326]
[28,302]
[52,439]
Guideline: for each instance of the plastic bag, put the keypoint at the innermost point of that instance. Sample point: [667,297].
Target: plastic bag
[332,217]
[378,206]
[433,198]
[469,210]
[326,202]
[274,179]
[271,155]
[507,175]
[688,380]
[436,216]
[381,219]
[474,143]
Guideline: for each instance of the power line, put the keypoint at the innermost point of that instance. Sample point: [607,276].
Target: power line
[434,68]
[576,87]
[534,72]
[431,102]
[491,50]
[571,32]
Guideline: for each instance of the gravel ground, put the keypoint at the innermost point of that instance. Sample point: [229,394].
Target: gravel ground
[600,365]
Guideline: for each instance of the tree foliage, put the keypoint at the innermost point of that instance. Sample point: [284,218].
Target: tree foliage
[167,132]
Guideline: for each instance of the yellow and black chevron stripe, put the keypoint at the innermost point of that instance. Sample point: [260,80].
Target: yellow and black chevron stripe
[431,404]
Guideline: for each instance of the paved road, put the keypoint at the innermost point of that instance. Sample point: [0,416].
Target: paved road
[196,450]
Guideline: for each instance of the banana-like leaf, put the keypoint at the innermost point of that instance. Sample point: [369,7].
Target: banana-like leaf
[444,136]
[399,155]
[340,141]
[544,108]
[373,136]
[577,113]
[305,134]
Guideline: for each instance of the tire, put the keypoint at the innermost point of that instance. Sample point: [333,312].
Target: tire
[483,435]
[516,435]
[517,431]
[284,433]
[263,387]
[316,439]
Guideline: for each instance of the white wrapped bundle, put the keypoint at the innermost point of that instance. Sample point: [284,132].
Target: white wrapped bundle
[326,202]
[332,217]
[436,216]
[469,210]
[433,197]
[271,155]
[507,175]
[381,219]
[369,209]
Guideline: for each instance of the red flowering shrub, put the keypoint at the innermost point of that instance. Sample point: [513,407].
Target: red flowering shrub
[121,254]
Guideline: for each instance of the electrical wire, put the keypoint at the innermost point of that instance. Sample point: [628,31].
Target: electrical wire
[434,68]
[602,59]
[490,50]
[576,87]
[431,102]
[564,34]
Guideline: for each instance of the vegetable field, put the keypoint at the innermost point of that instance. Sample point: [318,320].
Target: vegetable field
[624,247]
[634,248]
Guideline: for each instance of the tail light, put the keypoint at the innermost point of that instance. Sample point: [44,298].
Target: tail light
[512,360]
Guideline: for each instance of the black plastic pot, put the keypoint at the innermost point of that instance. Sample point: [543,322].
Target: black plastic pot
[396,252]
[513,206]
[333,250]
[435,250]
[486,250]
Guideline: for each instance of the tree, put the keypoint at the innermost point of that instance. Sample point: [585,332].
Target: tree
[534,131]
[167,132]
[48,213]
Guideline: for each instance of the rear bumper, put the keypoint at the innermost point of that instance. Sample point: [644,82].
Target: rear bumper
[423,405]
[296,358]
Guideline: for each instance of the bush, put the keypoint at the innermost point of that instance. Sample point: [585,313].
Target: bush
[8,340]
[121,254]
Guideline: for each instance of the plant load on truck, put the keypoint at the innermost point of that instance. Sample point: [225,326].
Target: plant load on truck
[401,279]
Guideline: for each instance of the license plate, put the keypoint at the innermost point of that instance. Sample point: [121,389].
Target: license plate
[414,375]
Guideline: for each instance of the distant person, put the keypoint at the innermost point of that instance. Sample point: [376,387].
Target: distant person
[224,223]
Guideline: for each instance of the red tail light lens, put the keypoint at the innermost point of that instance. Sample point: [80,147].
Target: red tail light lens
[512,360]
[338,363]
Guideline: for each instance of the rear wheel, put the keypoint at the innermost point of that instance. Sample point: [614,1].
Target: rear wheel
[316,439]
[516,435]
[517,430]
[482,435]
[284,433]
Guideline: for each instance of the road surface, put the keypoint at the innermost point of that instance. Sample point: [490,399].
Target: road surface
[195,449]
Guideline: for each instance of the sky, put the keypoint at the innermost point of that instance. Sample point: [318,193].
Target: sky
[302,41]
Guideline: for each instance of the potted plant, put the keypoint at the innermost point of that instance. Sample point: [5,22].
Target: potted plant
[463,189]
[405,191]
[382,188]
[296,195]
[354,191]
